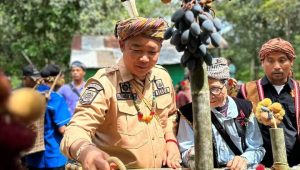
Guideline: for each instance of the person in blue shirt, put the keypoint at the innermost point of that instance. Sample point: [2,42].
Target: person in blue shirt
[244,148]
[56,117]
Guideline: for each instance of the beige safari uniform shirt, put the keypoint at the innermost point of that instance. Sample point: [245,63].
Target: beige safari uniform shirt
[106,116]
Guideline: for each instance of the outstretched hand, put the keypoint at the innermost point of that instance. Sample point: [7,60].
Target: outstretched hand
[93,158]
[237,163]
[171,156]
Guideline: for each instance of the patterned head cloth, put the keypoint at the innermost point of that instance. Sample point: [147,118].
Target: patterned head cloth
[277,45]
[219,69]
[151,27]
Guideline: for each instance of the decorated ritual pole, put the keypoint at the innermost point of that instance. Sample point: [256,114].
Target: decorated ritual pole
[271,114]
[195,29]
[278,149]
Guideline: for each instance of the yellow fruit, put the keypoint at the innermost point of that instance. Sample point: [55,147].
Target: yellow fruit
[275,107]
[266,102]
[280,117]
[258,108]
[257,114]
[276,114]
[26,104]
[282,112]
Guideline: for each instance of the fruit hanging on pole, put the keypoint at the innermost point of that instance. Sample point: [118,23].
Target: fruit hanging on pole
[195,29]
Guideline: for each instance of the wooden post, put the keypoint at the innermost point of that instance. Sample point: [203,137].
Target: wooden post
[202,118]
[278,149]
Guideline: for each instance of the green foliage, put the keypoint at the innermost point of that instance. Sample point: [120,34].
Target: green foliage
[253,23]
[43,29]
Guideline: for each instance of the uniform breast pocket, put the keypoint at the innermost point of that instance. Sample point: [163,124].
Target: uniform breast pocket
[133,133]
[163,101]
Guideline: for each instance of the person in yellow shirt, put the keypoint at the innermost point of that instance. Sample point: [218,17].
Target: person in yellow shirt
[127,110]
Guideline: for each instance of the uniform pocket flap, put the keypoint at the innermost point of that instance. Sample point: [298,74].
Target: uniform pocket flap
[127,107]
[163,101]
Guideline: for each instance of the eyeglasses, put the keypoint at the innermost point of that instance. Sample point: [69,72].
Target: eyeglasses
[216,90]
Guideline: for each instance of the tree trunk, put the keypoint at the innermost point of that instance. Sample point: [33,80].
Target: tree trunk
[202,118]
[252,69]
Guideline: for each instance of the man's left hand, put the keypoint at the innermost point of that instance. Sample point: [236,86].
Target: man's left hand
[172,156]
[237,163]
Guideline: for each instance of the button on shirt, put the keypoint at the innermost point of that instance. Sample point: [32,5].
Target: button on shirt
[111,121]
[254,152]
[70,96]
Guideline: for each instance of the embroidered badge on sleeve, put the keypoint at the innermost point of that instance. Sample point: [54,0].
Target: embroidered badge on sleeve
[90,93]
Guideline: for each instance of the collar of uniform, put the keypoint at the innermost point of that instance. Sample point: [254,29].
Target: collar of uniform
[265,81]
[127,76]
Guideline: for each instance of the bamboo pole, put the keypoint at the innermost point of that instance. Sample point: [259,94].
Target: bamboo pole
[278,149]
[202,118]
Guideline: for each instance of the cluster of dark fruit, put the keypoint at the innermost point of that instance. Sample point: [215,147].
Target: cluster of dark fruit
[194,29]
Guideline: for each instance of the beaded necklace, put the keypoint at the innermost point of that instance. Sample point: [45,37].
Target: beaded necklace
[142,116]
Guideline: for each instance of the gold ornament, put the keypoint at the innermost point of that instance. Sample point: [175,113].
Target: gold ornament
[26,104]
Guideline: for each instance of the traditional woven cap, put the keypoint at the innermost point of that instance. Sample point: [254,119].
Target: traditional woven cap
[277,45]
[219,69]
[151,27]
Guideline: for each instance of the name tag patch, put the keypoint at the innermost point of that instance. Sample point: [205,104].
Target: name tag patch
[161,91]
[126,96]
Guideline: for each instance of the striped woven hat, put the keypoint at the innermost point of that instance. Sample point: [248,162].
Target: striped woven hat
[277,45]
[150,27]
[219,69]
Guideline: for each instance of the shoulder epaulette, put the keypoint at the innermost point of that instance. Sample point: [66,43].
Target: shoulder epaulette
[111,69]
[161,67]
[106,71]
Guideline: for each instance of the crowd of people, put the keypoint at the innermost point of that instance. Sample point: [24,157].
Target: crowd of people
[130,110]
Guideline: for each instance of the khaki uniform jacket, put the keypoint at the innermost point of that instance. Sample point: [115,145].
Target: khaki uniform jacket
[106,116]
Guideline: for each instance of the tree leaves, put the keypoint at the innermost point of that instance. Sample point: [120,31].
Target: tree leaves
[253,23]
[44,29]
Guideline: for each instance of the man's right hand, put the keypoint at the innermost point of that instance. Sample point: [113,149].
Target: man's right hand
[93,158]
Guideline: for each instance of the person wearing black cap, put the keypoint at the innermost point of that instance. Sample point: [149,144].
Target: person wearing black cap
[71,91]
[30,76]
[56,117]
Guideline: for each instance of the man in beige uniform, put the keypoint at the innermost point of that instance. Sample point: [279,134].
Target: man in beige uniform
[128,110]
